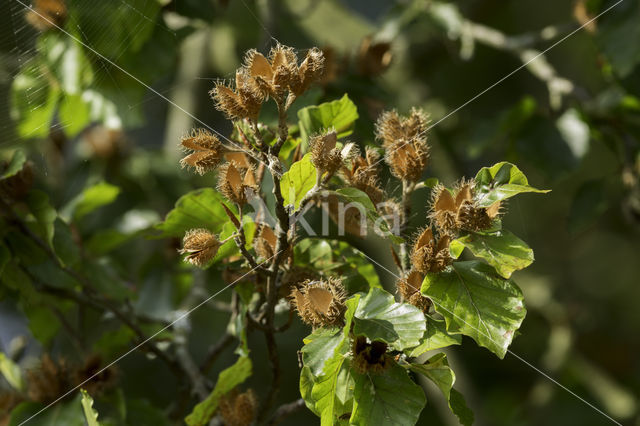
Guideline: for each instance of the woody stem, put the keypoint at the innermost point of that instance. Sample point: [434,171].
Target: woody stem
[407,188]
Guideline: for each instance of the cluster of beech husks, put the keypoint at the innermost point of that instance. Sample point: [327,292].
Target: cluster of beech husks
[407,154]
[279,76]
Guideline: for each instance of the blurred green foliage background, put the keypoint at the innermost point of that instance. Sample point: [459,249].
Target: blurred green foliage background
[102,105]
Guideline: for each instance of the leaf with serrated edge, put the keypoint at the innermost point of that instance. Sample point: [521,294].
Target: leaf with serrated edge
[339,114]
[499,182]
[389,398]
[502,250]
[90,414]
[387,318]
[475,301]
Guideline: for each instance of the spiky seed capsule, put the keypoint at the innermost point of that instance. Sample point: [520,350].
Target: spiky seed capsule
[459,211]
[443,210]
[205,151]
[320,303]
[429,254]
[310,71]
[405,142]
[243,102]
[369,357]
[200,246]
[265,242]
[348,217]
[408,159]
[409,288]
[238,409]
[363,175]
[236,183]
[47,14]
[325,156]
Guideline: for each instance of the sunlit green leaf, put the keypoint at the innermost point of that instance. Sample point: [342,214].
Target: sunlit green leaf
[229,378]
[90,414]
[319,347]
[475,301]
[297,181]
[501,181]
[340,114]
[328,394]
[201,208]
[11,372]
[502,250]
[379,317]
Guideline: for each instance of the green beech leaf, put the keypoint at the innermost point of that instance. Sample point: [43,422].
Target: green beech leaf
[229,378]
[499,182]
[296,182]
[502,250]
[319,347]
[379,317]
[438,371]
[92,198]
[306,385]
[475,301]
[201,208]
[340,114]
[87,407]
[326,387]
[435,337]
[361,200]
[330,393]
[15,165]
[390,398]
[11,372]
